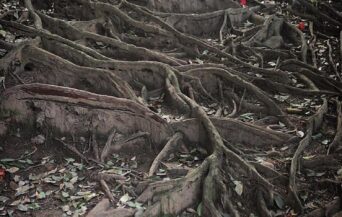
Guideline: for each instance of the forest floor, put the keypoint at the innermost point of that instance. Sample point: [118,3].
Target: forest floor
[170,108]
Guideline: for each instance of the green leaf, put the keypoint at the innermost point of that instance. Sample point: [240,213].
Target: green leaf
[281,98]
[65,194]
[10,213]
[325,142]
[49,180]
[279,201]
[125,198]
[41,195]
[23,189]
[3,199]
[199,61]
[89,196]
[339,172]
[134,204]
[3,33]
[56,178]
[73,180]
[15,203]
[205,52]
[79,166]
[199,209]
[248,116]
[22,207]
[29,161]
[33,206]
[16,15]
[69,160]
[7,160]
[26,161]
[66,208]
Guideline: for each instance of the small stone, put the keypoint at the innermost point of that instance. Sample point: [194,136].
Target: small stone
[38,140]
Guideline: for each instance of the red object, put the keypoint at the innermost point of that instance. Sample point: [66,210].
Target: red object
[301,26]
[2,173]
[243,2]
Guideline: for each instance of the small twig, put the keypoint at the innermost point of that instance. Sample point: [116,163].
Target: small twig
[73,149]
[3,82]
[341,51]
[311,45]
[191,92]
[144,94]
[32,167]
[29,154]
[331,61]
[107,191]
[131,170]
[241,100]
[338,136]
[262,205]
[133,137]
[277,64]
[223,25]
[235,109]
[36,19]
[109,177]
[106,149]
[6,13]
[95,146]
[220,90]
[15,76]
[313,123]
[218,113]
[86,147]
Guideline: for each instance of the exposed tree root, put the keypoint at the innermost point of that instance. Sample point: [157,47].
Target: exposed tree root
[330,208]
[189,7]
[232,130]
[336,143]
[106,148]
[106,189]
[63,28]
[170,146]
[313,125]
[88,110]
[272,107]
[86,76]
[73,149]
[37,65]
[104,208]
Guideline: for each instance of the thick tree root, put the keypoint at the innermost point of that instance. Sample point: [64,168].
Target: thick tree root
[104,208]
[39,66]
[170,146]
[337,142]
[312,126]
[87,111]
[272,106]
[67,59]
[233,131]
